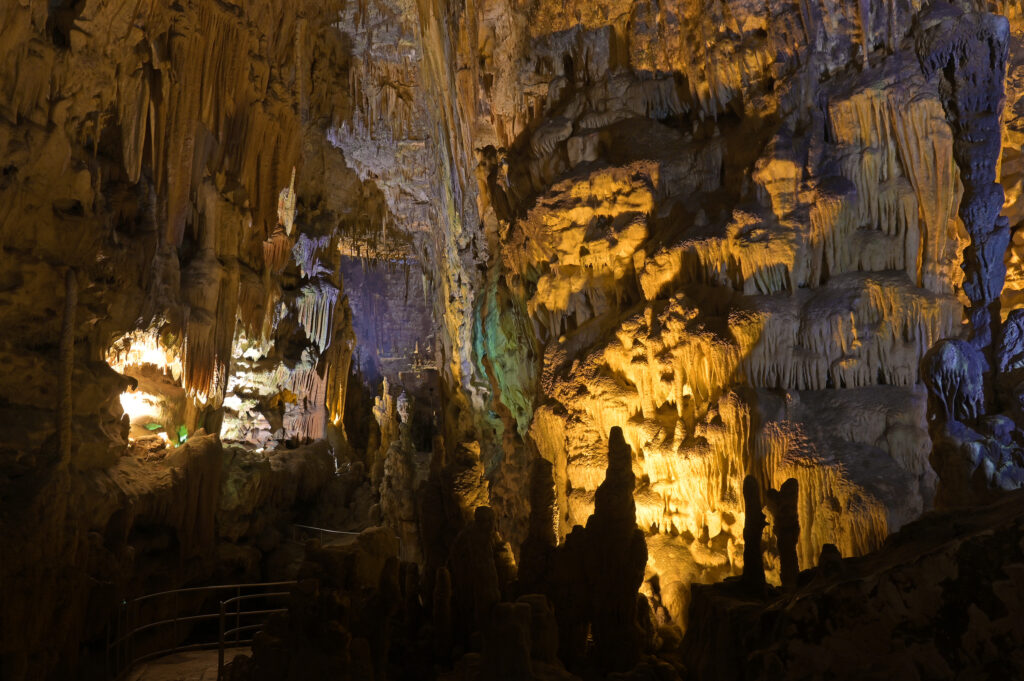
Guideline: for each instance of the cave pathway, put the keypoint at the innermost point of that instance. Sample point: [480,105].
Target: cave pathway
[192,665]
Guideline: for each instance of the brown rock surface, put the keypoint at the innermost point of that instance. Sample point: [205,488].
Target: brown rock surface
[941,599]
[408,260]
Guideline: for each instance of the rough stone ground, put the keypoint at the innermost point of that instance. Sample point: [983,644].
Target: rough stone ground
[196,665]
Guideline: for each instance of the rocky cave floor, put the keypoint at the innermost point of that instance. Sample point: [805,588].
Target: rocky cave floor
[942,598]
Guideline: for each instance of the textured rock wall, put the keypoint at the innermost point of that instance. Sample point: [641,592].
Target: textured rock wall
[184,149]
[939,600]
[731,231]
[171,209]
[78,544]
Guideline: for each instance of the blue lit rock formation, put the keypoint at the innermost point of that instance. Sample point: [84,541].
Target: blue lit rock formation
[977,451]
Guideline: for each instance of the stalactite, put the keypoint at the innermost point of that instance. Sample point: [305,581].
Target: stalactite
[339,364]
[286,206]
[253,302]
[307,252]
[199,356]
[316,311]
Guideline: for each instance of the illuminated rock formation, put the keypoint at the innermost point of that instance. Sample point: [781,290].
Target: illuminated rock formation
[753,568]
[976,450]
[616,556]
[614,272]
[594,576]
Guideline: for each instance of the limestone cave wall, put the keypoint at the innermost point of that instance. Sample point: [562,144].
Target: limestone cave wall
[454,244]
[732,231]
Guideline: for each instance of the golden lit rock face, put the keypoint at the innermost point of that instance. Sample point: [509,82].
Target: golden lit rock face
[1011,170]
[741,264]
[776,330]
[157,400]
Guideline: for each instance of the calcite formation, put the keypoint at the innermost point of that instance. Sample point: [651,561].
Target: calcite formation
[583,303]
[976,449]
[710,299]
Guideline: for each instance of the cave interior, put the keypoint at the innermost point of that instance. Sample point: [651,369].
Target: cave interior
[513,340]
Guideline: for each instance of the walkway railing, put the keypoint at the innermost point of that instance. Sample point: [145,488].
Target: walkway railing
[302,532]
[246,603]
[249,610]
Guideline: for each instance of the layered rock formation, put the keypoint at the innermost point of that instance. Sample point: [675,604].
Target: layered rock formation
[408,261]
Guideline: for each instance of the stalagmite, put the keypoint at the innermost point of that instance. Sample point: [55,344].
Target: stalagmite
[786,526]
[475,586]
[441,601]
[506,647]
[537,551]
[616,557]
[974,452]
[753,565]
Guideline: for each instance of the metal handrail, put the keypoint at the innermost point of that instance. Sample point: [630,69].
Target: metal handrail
[323,530]
[224,633]
[212,587]
[121,632]
[120,652]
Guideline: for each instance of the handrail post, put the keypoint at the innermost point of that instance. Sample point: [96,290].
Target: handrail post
[220,645]
[133,616]
[106,657]
[238,611]
[122,643]
[177,609]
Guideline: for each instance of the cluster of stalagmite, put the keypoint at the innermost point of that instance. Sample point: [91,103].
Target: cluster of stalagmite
[474,611]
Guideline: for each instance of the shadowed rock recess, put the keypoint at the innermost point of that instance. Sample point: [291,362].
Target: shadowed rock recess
[623,340]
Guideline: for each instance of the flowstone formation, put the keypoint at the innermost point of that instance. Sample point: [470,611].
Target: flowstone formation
[734,306]
[977,448]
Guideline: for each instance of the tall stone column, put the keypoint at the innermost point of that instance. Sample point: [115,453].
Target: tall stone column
[967,51]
